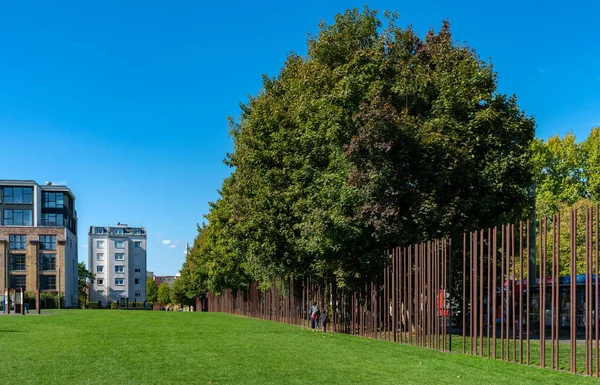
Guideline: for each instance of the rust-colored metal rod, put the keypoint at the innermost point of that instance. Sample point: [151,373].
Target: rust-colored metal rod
[597,298]
[494,287]
[464,279]
[502,302]
[573,323]
[521,292]
[481,292]
[489,296]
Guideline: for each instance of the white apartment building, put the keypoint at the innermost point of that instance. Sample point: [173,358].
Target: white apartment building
[117,255]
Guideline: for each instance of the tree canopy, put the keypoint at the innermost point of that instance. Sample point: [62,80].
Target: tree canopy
[377,137]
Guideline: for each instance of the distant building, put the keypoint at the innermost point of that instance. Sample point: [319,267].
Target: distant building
[38,238]
[169,279]
[117,255]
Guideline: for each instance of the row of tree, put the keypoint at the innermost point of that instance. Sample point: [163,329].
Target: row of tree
[165,294]
[376,137]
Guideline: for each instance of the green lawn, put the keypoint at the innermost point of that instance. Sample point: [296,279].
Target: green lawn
[142,347]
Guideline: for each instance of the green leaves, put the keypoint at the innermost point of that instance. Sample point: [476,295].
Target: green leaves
[376,138]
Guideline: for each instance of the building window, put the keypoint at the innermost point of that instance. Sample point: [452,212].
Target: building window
[119,244]
[137,281]
[119,269]
[47,282]
[53,200]
[119,281]
[99,256]
[17,262]
[16,242]
[138,294]
[137,243]
[137,270]
[100,282]
[120,293]
[99,244]
[100,293]
[48,242]
[137,232]
[18,195]
[99,230]
[120,256]
[99,269]
[118,231]
[50,219]
[18,281]
[47,262]
[18,218]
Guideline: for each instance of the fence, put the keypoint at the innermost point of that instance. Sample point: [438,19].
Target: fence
[478,298]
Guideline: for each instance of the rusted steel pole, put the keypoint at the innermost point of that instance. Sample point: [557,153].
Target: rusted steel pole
[588,287]
[513,279]
[444,294]
[502,282]
[464,279]
[474,304]
[494,287]
[528,296]
[409,303]
[481,276]
[597,299]
[521,288]
[573,366]
[489,289]
[553,299]
[508,292]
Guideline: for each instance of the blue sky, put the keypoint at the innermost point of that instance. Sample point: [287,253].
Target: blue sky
[127,102]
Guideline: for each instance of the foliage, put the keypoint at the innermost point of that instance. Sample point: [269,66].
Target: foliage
[376,137]
[164,294]
[566,171]
[114,305]
[84,279]
[151,290]
[178,293]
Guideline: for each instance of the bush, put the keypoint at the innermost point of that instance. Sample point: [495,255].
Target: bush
[93,305]
[114,305]
[48,300]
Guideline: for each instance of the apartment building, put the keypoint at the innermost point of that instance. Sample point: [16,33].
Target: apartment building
[38,238]
[117,255]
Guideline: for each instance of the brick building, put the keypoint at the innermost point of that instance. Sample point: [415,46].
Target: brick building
[38,238]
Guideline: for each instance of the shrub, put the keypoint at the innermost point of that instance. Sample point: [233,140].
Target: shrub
[114,305]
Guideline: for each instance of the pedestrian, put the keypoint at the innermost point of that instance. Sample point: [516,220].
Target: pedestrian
[314,313]
[324,320]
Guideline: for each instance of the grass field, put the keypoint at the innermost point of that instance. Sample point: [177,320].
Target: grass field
[142,347]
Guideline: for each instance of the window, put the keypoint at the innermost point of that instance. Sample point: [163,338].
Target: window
[47,262]
[47,282]
[119,244]
[138,294]
[100,282]
[119,256]
[99,230]
[99,256]
[118,231]
[53,200]
[137,243]
[119,281]
[119,269]
[99,244]
[137,270]
[16,242]
[18,281]
[18,218]
[120,293]
[137,232]
[100,293]
[17,262]
[137,281]
[18,195]
[50,219]
[48,242]
[99,269]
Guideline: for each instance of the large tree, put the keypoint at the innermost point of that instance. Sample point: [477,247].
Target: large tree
[375,138]
[164,294]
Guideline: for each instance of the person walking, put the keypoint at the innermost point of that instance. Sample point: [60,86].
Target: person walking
[324,320]
[314,313]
